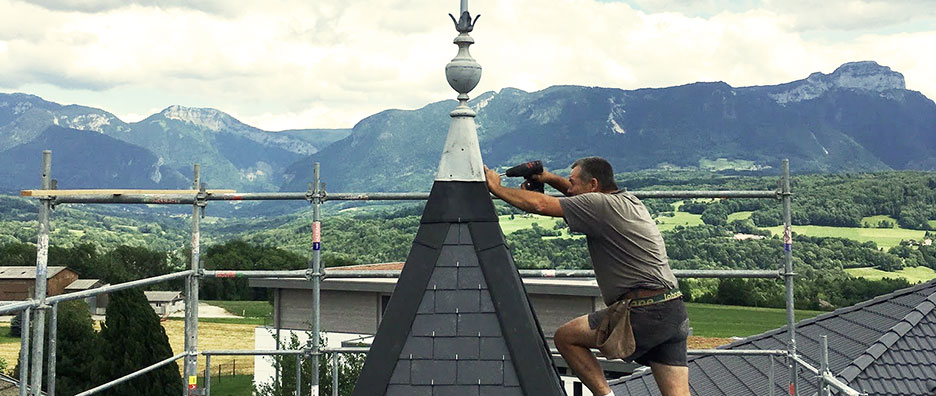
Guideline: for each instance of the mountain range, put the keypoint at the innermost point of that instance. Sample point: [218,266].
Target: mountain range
[861,117]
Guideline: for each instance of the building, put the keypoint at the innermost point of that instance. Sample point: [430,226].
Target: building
[884,346]
[96,304]
[352,309]
[18,283]
[165,302]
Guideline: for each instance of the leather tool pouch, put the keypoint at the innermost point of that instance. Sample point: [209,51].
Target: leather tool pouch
[615,336]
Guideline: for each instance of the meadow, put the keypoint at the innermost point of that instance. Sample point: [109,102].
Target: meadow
[911,274]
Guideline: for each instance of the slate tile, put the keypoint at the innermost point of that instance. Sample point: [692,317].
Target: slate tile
[510,375]
[462,301]
[457,256]
[482,372]
[443,278]
[408,390]
[483,324]
[452,237]
[487,305]
[432,372]
[495,390]
[401,373]
[456,348]
[456,390]
[418,347]
[427,305]
[471,278]
[494,348]
[464,234]
[434,325]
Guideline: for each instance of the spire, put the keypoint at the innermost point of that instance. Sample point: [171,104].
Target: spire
[461,155]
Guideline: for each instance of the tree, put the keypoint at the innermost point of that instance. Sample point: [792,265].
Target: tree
[76,351]
[349,369]
[76,348]
[131,339]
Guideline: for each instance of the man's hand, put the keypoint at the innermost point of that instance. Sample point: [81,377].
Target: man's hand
[493,178]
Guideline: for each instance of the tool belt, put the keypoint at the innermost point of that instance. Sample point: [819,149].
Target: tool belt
[615,335]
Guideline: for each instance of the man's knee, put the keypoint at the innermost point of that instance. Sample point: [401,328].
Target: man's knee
[573,332]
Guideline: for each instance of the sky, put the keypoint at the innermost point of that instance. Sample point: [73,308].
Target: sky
[294,64]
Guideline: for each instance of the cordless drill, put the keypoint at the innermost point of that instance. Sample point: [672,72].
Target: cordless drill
[527,170]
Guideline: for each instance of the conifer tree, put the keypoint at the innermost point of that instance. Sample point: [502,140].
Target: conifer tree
[131,339]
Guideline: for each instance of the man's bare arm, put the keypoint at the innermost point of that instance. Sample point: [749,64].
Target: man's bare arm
[528,201]
[558,182]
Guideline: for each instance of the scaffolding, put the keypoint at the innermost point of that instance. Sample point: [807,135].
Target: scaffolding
[41,304]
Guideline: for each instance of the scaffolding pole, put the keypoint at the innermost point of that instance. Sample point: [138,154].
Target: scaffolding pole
[338,273]
[42,266]
[53,340]
[191,297]
[189,199]
[131,376]
[788,274]
[317,194]
[24,352]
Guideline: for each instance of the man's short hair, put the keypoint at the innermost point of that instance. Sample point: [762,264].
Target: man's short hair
[598,168]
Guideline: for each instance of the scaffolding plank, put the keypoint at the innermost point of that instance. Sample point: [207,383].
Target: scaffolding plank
[62,193]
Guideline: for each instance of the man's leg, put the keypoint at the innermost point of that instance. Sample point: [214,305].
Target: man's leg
[573,340]
[672,380]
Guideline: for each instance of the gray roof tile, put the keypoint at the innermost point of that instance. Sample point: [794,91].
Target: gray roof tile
[480,372]
[455,348]
[432,372]
[886,346]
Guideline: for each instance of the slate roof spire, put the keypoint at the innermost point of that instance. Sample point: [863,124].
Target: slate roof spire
[459,321]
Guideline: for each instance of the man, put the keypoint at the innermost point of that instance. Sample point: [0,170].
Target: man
[629,258]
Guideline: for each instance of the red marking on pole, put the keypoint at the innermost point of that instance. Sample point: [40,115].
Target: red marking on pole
[237,198]
[226,274]
[317,231]
[792,390]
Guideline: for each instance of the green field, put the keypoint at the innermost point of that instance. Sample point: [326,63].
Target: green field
[883,237]
[873,221]
[247,309]
[5,334]
[911,274]
[739,216]
[710,320]
[522,222]
[236,385]
[665,223]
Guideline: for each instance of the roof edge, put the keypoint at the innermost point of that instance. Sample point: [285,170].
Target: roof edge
[889,338]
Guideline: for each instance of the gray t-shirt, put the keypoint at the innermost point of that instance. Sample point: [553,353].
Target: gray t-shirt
[625,245]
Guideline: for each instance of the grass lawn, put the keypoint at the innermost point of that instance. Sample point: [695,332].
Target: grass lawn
[911,274]
[5,334]
[739,216]
[247,309]
[521,222]
[679,218]
[884,237]
[873,221]
[710,320]
[237,385]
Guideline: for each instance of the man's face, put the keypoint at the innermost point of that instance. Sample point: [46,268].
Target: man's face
[577,186]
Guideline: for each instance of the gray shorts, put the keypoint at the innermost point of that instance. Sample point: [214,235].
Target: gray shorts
[660,331]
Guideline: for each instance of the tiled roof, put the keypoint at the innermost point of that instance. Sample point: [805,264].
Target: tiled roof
[884,346]
[82,284]
[459,321]
[26,272]
[163,296]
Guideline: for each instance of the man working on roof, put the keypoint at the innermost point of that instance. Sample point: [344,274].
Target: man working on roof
[629,258]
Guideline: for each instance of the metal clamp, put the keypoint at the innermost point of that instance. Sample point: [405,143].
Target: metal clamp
[201,199]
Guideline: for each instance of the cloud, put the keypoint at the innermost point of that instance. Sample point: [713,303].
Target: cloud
[329,63]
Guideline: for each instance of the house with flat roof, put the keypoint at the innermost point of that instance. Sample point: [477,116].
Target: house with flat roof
[352,309]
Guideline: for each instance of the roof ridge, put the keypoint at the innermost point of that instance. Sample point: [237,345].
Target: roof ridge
[891,336]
